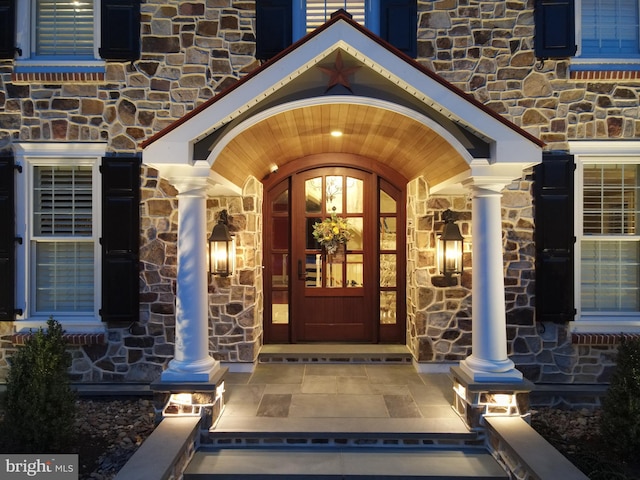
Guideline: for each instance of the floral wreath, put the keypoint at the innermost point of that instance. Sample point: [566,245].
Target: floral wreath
[332,232]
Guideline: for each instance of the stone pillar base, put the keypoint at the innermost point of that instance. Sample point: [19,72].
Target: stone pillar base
[473,400]
[203,399]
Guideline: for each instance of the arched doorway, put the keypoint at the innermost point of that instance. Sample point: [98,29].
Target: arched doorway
[314,297]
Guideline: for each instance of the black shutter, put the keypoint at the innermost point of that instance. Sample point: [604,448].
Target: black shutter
[554,238]
[120,29]
[120,238]
[274,24]
[7,28]
[399,24]
[7,239]
[555,35]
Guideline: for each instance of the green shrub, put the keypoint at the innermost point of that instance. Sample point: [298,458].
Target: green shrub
[39,404]
[620,421]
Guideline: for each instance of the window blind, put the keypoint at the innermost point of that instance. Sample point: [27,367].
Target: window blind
[64,277]
[610,28]
[610,276]
[64,28]
[63,201]
[319,11]
[610,194]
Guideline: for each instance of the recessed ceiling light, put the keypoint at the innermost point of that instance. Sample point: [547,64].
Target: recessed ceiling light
[336,133]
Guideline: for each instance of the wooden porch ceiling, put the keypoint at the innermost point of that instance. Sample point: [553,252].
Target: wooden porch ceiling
[398,141]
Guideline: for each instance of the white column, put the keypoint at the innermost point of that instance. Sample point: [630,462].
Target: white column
[488,361]
[191,362]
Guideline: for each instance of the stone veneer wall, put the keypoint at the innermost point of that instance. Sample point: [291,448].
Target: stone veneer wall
[439,315]
[139,352]
[236,302]
[191,50]
[486,49]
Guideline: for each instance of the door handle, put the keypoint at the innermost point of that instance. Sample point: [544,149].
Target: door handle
[301,275]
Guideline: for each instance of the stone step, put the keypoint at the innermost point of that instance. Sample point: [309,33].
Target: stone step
[397,432]
[342,463]
[335,353]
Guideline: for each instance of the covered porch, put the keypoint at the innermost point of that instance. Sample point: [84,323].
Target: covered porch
[394,112]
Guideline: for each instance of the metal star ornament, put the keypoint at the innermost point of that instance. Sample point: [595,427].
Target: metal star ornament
[339,74]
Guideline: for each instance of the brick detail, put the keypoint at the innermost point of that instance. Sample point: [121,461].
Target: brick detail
[70,338]
[613,75]
[601,338]
[58,77]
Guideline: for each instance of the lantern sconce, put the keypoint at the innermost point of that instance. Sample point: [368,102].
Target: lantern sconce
[450,246]
[222,248]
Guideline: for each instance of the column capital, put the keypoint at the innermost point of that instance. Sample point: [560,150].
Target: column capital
[491,178]
[188,179]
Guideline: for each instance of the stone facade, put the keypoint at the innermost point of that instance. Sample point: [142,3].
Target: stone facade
[438,313]
[193,50]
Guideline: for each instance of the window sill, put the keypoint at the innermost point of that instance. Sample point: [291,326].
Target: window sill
[83,72]
[605,332]
[69,338]
[87,325]
[601,338]
[75,332]
[604,69]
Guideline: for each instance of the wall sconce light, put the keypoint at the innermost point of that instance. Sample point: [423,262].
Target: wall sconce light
[222,248]
[450,246]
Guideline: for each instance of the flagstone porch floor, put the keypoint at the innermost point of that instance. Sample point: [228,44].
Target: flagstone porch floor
[333,399]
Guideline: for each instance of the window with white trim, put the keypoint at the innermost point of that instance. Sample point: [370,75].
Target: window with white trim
[59,205]
[608,235]
[60,31]
[608,30]
[62,240]
[610,246]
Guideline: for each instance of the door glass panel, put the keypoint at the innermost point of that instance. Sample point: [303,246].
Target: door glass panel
[355,195]
[334,275]
[356,226]
[333,193]
[313,270]
[388,308]
[280,276]
[354,270]
[281,203]
[313,195]
[280,233]
[311,243]
[388,270]
[387,233]
[387,204]
[280,307]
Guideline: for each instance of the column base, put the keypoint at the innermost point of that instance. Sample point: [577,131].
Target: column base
[201,399]
[473,400]
[490,372]
[185,372]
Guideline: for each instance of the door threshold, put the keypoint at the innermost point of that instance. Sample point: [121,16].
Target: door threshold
[334,353]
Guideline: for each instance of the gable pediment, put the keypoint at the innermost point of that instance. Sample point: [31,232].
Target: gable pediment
[387,95]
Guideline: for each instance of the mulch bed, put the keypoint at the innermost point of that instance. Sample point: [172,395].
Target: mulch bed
[575,433]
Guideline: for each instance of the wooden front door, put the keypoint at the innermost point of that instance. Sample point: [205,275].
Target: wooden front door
[311,296]
[331,299]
